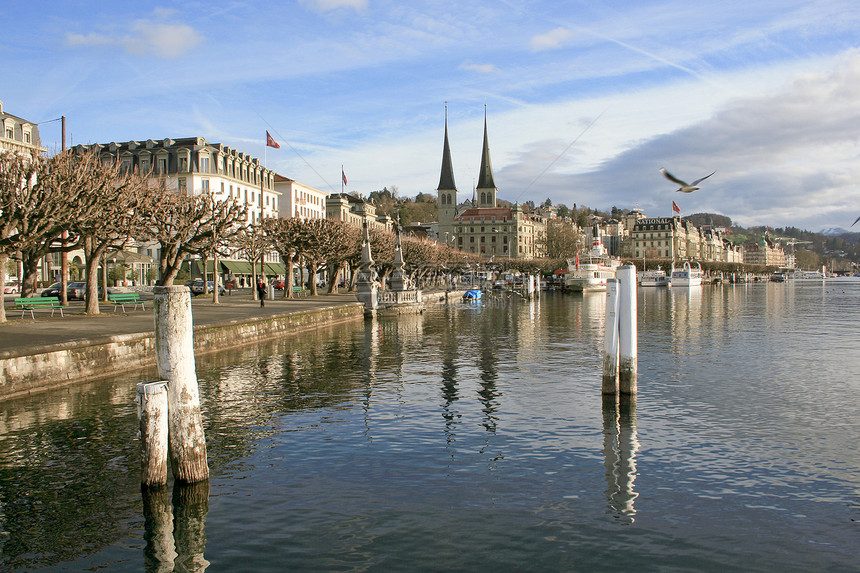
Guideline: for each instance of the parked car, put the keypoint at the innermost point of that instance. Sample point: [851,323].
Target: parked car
[10,288]
[74,290]
[278,284]
[196,287]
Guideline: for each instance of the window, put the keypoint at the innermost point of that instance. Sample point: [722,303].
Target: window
[204,165]
[144,165]
[26,137]
[162,165]
[183,164]
[10,133]
[222,188]
[204,185]
[183,186]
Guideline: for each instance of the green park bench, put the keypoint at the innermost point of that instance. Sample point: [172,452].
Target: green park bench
[299,292]
[38,303]
[124,298]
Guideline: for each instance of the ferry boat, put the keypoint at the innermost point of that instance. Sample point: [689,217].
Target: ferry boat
[591,273]
[687,276]
[654,278]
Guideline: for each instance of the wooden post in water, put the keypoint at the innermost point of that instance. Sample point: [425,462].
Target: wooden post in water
[610,339]
[152,413]
[628,331]
[174,351]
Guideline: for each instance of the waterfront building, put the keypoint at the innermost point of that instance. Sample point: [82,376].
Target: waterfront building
[18,134]
[665,238]
[482,226]
[356,211]
[298,200]
[765,251]
[195,166]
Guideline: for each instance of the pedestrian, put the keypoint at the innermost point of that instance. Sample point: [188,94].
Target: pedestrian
[261,291]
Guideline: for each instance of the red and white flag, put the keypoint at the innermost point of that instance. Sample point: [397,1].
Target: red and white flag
[343,176]
[675,208]
[270,141]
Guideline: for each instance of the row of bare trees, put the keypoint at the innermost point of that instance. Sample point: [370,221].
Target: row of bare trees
[77,201]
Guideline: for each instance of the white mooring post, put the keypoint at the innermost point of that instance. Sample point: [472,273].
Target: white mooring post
[152,413]
[610,347]
[174,350]
[628,332]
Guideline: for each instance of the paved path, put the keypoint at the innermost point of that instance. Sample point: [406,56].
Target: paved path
[21,337]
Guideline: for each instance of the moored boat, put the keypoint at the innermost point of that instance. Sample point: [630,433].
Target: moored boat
[687,276]
[472,294]
[592,272]
[654,278]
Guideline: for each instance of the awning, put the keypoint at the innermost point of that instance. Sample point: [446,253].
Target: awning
[237,267]
[275,269]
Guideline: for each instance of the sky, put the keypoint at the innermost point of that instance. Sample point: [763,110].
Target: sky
[584,101]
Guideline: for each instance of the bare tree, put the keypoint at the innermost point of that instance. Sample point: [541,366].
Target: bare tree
[183,225]
[19,176]
[253,244]
[284,235]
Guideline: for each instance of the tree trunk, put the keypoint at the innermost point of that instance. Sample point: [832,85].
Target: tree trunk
[215,278]
[30,269]
[92,296]
[4,259]
[288,282]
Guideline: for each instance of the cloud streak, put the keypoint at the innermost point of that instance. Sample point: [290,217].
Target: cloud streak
[161,39]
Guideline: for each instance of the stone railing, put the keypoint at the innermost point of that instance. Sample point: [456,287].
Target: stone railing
[385,297]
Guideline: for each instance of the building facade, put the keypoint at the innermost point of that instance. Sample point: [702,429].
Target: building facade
[356,211]
[482,226]
[18,134]
[296,200]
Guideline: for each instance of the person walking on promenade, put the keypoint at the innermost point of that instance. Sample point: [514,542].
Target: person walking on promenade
[261,291]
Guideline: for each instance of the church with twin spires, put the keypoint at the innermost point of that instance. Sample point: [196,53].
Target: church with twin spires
[481,226]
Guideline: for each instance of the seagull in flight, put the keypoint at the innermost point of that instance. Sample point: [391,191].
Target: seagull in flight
[685,187]
[855,221]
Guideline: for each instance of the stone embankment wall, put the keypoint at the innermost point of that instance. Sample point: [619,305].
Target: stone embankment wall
[58,365]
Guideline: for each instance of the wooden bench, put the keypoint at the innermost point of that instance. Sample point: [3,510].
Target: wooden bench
[124,298]
[38,303]
[299,292]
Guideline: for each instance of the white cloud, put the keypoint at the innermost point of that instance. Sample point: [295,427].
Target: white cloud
[162,39]
[329,5]
[480,68]
[551,40]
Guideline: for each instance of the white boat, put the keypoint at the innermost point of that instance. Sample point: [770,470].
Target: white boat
[592,272]
[687,276]
[654,278]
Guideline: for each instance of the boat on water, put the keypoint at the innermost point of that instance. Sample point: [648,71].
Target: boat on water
[592,271]
[686,276]
[654,278]
[472,294]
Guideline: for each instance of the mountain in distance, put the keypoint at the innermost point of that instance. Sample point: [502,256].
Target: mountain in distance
[834,232]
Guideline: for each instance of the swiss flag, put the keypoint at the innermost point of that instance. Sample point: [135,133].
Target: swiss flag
[270,141]
[675,208]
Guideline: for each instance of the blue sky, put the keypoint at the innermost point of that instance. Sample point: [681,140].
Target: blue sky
[586,101]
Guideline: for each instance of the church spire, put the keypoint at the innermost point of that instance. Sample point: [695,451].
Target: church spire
[446,179]
[485,176]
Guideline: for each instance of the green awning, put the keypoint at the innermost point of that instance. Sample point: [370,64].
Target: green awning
[198,266]
[237,267]
[275,269]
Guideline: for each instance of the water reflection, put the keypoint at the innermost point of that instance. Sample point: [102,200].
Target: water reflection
[620,444]
[175,540]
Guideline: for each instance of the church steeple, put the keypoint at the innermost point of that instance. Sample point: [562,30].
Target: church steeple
[446,178]
[486,190]
[446,192]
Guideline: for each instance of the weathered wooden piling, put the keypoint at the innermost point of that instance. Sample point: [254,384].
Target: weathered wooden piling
[152,413]
[174,348]
[628,364]
[610,342]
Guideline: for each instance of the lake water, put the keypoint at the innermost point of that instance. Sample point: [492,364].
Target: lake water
[474,438]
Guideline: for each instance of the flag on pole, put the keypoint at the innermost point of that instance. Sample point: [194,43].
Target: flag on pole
[270,141]
[675,208]
[343,175]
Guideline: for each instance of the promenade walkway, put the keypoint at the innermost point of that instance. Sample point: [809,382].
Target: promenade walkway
[20,337]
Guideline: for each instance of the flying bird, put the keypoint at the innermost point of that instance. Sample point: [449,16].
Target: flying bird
[685,187]
[855,221]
